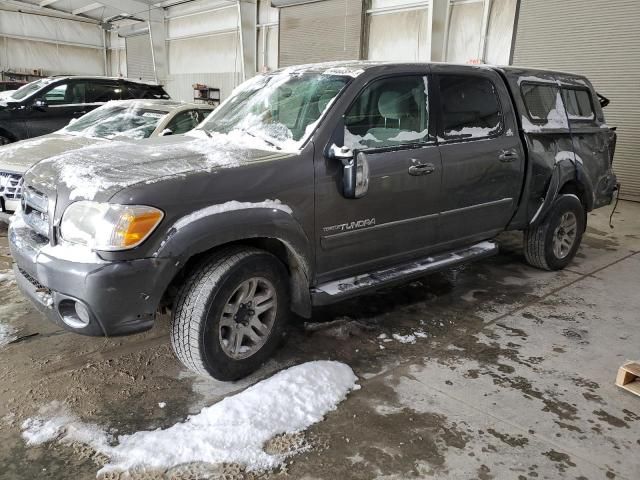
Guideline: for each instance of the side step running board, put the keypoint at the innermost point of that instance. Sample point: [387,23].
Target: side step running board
[337,290]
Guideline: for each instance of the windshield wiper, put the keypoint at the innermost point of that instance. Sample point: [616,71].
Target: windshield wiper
[259,137]
[206,132]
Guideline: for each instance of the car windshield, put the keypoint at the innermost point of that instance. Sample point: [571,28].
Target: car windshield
[110,121]
[30,88]
[279,109]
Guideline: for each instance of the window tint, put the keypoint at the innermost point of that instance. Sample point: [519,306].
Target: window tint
[578,103]
[56,95]
[539,99]
[184,121]
[391,111]
[103,92]
[470,107]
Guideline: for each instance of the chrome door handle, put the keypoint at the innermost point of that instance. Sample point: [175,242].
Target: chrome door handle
[507,156]
[421,169]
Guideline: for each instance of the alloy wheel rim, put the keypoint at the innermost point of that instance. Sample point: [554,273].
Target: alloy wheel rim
[248,318]
[564,236]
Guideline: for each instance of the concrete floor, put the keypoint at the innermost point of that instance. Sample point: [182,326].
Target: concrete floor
[515,378]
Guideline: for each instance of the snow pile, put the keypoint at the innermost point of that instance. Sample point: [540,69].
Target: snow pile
[231,431]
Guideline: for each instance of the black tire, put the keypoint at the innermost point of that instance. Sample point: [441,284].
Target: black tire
[539,241]
[197,324]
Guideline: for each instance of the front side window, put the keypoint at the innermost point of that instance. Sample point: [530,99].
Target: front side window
[280,109]
[390,112]
[117,120]
[65,94]
[578,104]
[470,107]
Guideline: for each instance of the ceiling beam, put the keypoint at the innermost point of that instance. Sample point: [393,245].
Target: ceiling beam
[133,7]
[87,8]
[44,3]
[35,9]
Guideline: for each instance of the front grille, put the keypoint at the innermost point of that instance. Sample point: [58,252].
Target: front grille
[35,206]
[32,280]
[10,185]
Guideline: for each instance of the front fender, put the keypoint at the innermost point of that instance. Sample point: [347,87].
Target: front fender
[213,227]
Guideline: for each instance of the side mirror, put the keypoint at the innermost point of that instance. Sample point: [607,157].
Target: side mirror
[165,132]
[40,104]
[340,153]
[355,176]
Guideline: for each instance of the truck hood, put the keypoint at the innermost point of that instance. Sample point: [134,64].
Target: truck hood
[98,172]
[20,156]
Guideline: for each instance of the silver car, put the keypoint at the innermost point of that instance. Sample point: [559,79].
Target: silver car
[122,120]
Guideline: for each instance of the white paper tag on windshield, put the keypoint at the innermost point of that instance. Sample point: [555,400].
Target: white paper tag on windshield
[152,115]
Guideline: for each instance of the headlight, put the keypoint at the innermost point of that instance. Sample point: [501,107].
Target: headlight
[104,226]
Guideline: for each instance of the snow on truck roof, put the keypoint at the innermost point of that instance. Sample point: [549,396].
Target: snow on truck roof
[356,67]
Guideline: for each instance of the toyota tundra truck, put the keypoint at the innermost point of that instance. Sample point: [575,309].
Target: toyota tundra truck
[307,186]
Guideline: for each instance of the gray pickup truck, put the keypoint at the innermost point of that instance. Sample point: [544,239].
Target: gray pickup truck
[307,186]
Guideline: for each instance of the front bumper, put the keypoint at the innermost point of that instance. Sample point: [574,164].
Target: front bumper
[120,297]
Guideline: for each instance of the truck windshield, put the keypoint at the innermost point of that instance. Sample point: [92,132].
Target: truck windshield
[30,88]
[279,108]
[117,120]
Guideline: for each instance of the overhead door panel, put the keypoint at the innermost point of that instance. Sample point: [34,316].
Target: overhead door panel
[320,31]
[140,58]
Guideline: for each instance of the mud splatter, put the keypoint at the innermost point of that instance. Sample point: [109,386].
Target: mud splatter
[610,419]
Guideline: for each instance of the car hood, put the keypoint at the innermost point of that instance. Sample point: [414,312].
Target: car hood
[98,172]
[18,157]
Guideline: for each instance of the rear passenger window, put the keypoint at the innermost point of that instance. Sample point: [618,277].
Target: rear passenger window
[578,104]
[540,100]
[390,112]
[470,107]
[102,92]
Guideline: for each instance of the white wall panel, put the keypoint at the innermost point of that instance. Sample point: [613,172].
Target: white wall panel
[210,54]
[500,33]
[52,59]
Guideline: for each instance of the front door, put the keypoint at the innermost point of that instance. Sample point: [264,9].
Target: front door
[396,219]
[56,106]
[482,156]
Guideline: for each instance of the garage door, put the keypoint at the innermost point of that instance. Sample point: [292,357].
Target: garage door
[140,58]
[600,39]
[320,31]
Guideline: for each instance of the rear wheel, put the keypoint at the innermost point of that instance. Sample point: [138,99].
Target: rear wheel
[552,244]
[230,314]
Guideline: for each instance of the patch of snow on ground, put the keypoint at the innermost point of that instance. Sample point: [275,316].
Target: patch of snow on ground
[7,334]
[405,338]
[6,276]
[231,431]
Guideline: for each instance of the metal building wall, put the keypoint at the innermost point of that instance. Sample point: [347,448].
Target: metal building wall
[600,39]
[320,31]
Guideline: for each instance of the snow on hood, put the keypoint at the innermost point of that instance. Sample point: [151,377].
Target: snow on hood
[233,430]
[118,164]
[18,157]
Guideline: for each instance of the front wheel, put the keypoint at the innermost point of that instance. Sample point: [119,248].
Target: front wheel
[230,314]
[552,244]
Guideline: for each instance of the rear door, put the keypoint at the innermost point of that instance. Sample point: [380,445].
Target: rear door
[389,121]
[482,156]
